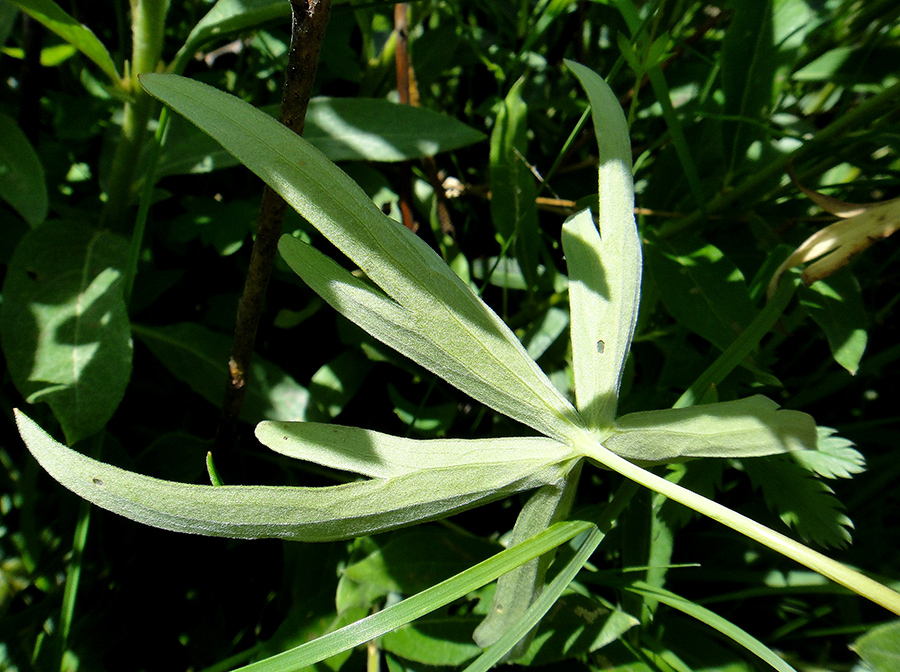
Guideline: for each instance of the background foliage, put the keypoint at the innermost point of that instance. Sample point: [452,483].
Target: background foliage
[719,98]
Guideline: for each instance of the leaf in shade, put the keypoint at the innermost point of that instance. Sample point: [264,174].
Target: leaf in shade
[22,183]
[65,329]
[199,357]
[880,648]
[50,15]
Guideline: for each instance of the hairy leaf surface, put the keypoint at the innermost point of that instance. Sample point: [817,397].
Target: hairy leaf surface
[299,514]
[604,269]
[448,327]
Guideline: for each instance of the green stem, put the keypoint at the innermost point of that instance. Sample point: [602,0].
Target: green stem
[831,569]
[73,571]
[147,23]
[871,109]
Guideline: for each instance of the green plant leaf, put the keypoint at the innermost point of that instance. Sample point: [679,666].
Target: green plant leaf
[880,648]
[701,288]
[228,17]
[427,313]
[803,502]
[343,129]
[299,514]
[751,427]
[423,603]
[713,620]
[517,590]
[605,269]
[371,129]
[513,209]
[834,456]
[50,15]
[64,324]
[749,59]
[477,358]
[335,383]
[434,640]
[199,357]
[22,183]
[378,455]
[419,557]
[836,306]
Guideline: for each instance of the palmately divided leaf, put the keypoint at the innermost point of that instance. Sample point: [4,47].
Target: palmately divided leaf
[298,514]
[751,427]
[604,268]
[464,338]
[377,455]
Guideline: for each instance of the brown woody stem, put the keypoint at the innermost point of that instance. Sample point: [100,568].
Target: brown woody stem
[309,19]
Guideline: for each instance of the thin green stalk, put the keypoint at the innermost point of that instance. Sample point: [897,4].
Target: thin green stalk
[831,569]
[146,199]
[148,25]
[73,571]
[871,109]
[742,346]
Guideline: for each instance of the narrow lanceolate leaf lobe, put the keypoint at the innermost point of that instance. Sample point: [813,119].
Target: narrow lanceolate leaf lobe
[370,453]
[604,267]
[299,514]
[442,324]
[752,427]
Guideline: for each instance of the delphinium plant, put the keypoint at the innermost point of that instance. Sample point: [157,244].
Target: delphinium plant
[404,295]
[724,102]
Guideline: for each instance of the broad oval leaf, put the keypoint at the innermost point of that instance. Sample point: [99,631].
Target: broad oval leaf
[294,513]
[64,324]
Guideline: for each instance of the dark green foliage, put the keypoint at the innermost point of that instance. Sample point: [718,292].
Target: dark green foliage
[124,332]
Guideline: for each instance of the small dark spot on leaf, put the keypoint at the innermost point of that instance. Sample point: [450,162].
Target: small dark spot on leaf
[601,346]
[97,481]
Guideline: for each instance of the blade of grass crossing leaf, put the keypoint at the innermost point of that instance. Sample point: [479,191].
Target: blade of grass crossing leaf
[517,590]
[399,262]
[742,346]
[673,123]
[423,603]
[714,621]
[513,193]
[602,349]
[554,590]
[54,18]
